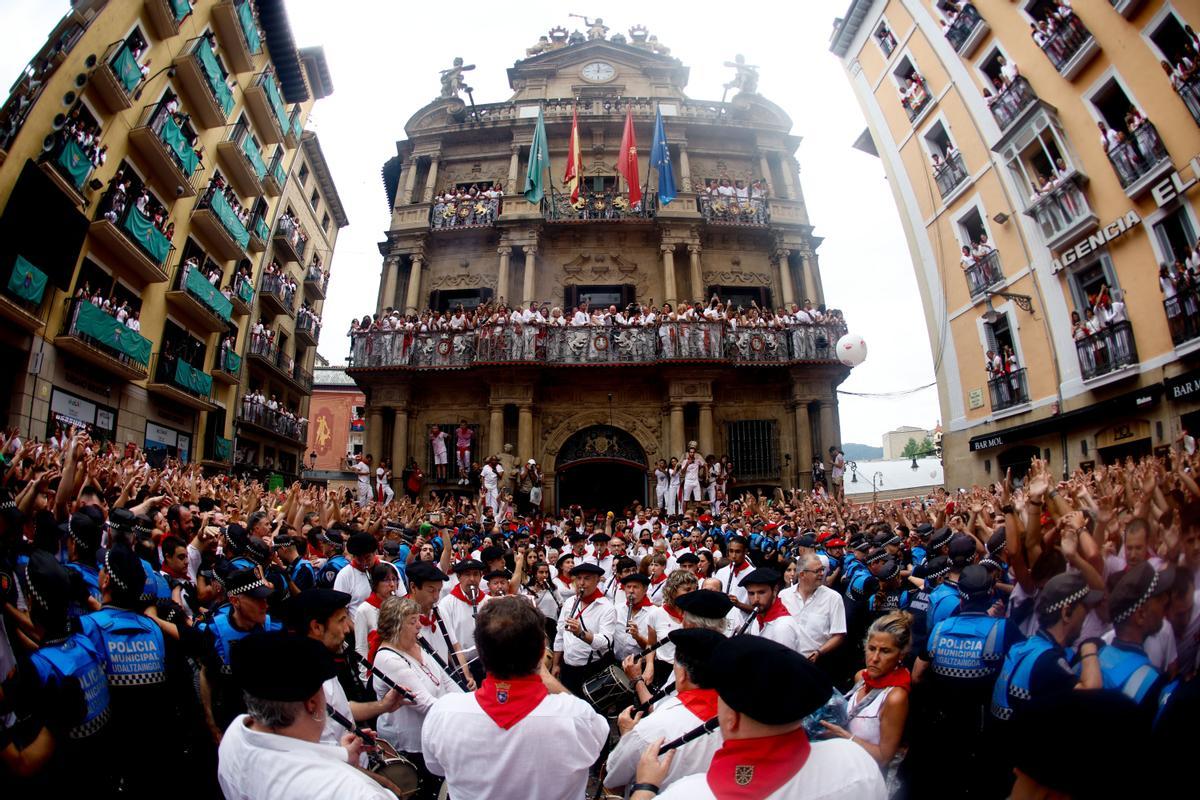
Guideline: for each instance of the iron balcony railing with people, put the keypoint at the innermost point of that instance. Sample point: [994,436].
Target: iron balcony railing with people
[964,25]
[950,173]
[1059,208]
[733,210]
[597,207]
[464,212]
[1137,154]
[1011,101]
[1009,390]
[1067,40]
[1183,315]
[700,341]
[285,293]
[284,424]
[915,97]
[1107,350]
[984,273]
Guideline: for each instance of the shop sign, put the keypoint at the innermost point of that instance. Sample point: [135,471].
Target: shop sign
[1184,387]
[1098,240]
[975,399]
[1122,432]
[1174,184]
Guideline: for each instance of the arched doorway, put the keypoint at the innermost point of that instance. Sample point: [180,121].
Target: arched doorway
[600,468]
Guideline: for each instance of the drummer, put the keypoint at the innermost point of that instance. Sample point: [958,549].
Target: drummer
[703,608]
[587,626]
[695,703]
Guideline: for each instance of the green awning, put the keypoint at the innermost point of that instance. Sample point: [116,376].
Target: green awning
[212,71]
[173,137]
[152,240]
[268,82]
[246,290]
[229,219]
[233,362]
[222,449]
[251,151]
[93,322]
[208,294]
[75,163]
[193,380]
[27,281]
[126,68]
[261,230]
[181,8]
[249,28]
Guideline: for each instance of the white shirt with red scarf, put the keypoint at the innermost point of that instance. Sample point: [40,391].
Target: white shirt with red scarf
[776,624]
[670,719]
[431,634]
[599,618]
[786,767]
[512,739]
[655,590]
[643,616]
[459,615]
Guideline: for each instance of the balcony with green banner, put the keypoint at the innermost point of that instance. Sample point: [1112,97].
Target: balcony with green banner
[276,102]
[259,234]
[214,76]
[245,292]
[181,9]
[216,220]
[221,450]
[73,164]
[185,156]
[126,68]
[176,379]
[228,366]
[192,380]
[22,296]
[252,153]
[208,295]
[298,125]
[92,334]
[147,237]
[249,27]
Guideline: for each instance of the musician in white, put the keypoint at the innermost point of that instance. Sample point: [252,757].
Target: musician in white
[459,608]
[600,556]
[635,618]
[425,583]
[732,573]
[586,629]
[673,716]
[401,659]
[611,586]
[773,621]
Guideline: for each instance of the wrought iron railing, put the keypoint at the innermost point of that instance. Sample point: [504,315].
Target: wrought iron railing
[1183,316]
[587,344]
[1060,209]
[1062,45]
[1009,390]
[1139,153]
[949,174]
[293,234]
[597,207]
[285,293]
[89,324]
[1188,90]
[177,373]
[310,323]
[984,273]
[283,424]
[1108,349]
[963,26]
[915,101]
[467,212]
[732,210]
[1011,101]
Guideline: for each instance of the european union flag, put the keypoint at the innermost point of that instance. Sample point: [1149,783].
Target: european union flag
[660,159]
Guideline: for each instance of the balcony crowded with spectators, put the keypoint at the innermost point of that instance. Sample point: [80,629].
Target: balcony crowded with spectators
[466,206]
[725,200]
[597,334]
[309,320]
[267,411]
[279,282]
[289,226]
[1103,336]
[1180,47]
[1057,31]
[1010,94]
[1180,286]
[77,149]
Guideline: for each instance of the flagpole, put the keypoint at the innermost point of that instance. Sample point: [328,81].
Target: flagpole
[649,166]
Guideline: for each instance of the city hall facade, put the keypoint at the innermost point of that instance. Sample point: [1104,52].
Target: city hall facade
[597,407]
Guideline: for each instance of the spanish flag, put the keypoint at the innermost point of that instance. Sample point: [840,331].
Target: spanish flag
[627,160]
[574,160]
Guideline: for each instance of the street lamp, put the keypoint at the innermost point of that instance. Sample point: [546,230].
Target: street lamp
[876,482]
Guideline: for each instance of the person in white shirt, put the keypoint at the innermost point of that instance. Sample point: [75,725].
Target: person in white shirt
[600,556]
[635,618]
[402,660]
[586,629]
[275,750]
[693,470]
[521,734]
[772,621]
[355,578]
[459,608]
[384,581]
[489,478]
[692,704]
[732,573]
[765,751]
[817,610]
[363,471]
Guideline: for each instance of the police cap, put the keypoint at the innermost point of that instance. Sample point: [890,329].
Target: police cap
[82,528]
[974,582]
[704,603]
[47,581]
[1136,587]
[889,570]
[940,538]
[1064,590]
[808,540]
[936,567]
[257,550]
[246,582]
[280,666]
[125,571]
[962,546]
[743,670]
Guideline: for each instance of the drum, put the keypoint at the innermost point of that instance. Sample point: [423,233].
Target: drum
[387,763]
[610,691]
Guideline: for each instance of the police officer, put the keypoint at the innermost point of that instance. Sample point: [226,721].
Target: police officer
[299,570]
[946,597]
[335,559]
[1137,605]
[1039,666]
[82,536]
[919,551]
[892,596]
[955,675]
[930,574]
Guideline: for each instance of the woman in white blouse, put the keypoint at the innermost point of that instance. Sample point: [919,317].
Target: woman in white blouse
[401,659]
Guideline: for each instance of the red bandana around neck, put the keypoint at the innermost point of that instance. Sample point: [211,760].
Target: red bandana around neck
[509,701]
[458,592]
[674,613]
[429,622]
[749,769]
[374,600]
[373,642]
[777,610]
[701,702]
[643,603]
[659,578]
[900,676]
[591,598]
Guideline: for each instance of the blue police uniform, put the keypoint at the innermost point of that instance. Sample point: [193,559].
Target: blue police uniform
[302,574]
[242,562]
[943,601]
[91,578]
[919,556]
[157,586]
[1031,668]
[76,657]
[1126,668]
[328,573]
[226,696]
[893,600]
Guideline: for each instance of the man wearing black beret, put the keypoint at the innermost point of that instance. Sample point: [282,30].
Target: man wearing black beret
[765,751]
[587,626]
[459,608]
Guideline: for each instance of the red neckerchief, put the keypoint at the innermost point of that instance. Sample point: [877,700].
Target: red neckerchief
[739,567]
[566,582]
[591,598]
[458,592]
[748,769]
[659,578]
[675,614]
[373,642]
[509,701]
[777,610]
[430,622]
[643,603]
[701,702]
[900,676]
[373,600]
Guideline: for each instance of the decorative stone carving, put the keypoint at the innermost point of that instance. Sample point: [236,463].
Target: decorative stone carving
[463,281]
[737,278]
[565,428]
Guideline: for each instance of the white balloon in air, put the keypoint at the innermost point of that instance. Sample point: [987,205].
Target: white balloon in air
[852,350]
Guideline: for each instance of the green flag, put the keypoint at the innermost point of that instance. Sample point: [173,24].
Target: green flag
[539,163]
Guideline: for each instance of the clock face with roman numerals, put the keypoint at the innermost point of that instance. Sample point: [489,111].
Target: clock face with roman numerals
[598,72]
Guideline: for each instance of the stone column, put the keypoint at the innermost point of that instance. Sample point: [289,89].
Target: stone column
[812,276]
[685,170]
[785,277]
[804,445]
[788,166]
[391,272]
[514,163]
[400,442]
[410,183]
[695,275]
[706,428]
[802,281]
[502,276]
[431,180]
[765,166]
[375,433]
[525,433]
[495,432]
[530,268]
[829,433]
[668,257]
[413,296]
[677,443]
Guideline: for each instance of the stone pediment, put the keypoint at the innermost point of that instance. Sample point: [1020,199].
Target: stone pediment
[577,54]
[634,65]
[441,112]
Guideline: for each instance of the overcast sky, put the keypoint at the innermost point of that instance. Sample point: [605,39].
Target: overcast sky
[384,58]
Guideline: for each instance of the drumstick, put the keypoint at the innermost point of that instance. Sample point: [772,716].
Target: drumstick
[695,733]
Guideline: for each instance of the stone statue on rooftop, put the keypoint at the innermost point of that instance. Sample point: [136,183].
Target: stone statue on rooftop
[638,34]
[543,44]
[596,29]
[745,79]
[452,81]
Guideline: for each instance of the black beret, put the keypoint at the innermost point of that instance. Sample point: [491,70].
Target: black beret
[1135,587]
[743,669]
[468,565]
[941,537]
[635,577]
[974,581]
[704,603]
[601,537]
[688,558]
[246,582]
[421,572]
[764,575]
[555,542]
[624,563]
[586,568]
[491,553]
[361,544]
[575,538]
[498,573]
[280,666]
[695,646]
[315,605]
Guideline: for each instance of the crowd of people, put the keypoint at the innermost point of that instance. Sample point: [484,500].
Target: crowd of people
[914,93]
[978,264]
[277,280]
[1102,336]
[269,412]
[788,646]
[86,134]
[498,332]
[219,184]
[1179,282]
[478,204]
[116,201]
[289,226]
[125,312]
[1133,149]
[1182,71]
[722,198]
[1058,32]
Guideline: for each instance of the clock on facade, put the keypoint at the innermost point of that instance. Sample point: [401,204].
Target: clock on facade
[598,72]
